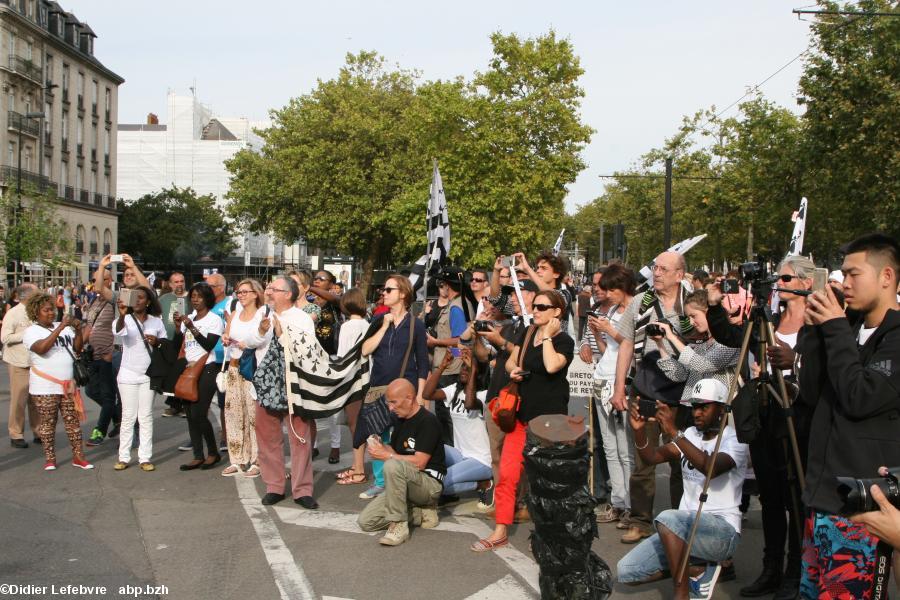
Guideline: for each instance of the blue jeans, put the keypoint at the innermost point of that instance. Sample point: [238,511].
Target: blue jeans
[463,474]
[716,540]
[104,391]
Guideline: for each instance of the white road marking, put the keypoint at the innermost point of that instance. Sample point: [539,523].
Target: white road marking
[507,587]
[517,561]
[289,576]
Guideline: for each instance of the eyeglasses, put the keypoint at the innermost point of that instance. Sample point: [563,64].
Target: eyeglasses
[244,292]
[320,279]
[661,269]
[275,289]
[388,290]
[479,280]
[543,307]
[786,278]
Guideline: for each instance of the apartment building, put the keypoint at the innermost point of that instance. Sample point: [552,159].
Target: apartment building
[59,131]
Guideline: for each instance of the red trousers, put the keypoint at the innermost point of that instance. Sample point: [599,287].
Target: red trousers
[511,464]
[270,440]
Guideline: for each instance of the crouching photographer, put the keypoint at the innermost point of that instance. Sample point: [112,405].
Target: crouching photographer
[852,371]
[719,529]
[879,499]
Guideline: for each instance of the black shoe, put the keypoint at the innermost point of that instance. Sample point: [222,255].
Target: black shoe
[315,453]
[18,443]
[194,464]
[447,499]
[767,582]
[789,589]
[272,498]
[306,502]
[211,461]
[37,440]
[114,432]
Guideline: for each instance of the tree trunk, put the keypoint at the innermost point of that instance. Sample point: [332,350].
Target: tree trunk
[368,266]
[750,241]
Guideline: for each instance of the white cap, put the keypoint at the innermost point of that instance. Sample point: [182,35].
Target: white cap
[709,390]
[836,276]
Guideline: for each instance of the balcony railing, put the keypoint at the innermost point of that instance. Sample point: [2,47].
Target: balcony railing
[85,197]
[93,247]
[111,202]
[79,246]
[25,68]
[9,176]
[19,122]
[70,193]
[98,199]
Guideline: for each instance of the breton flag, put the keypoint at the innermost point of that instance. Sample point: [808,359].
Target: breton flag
[799,218]
[558,245]
[438,237]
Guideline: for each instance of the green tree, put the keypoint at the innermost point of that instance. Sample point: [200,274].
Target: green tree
[175,227]
[850,88]
[349,164]
[34,231]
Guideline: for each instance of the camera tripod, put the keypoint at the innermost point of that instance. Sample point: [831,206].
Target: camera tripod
[760,323]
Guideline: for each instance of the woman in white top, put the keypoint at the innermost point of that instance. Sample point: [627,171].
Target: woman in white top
[138,329]
[52,348]
[353,305]
[619,283]
[243,333]
[201,331]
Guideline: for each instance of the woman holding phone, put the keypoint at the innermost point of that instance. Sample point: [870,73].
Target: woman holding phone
[138,328]
[243,333]
[200,331]
[544,390]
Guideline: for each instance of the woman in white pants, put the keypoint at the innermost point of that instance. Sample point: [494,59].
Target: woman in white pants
[139,330]
[619,283]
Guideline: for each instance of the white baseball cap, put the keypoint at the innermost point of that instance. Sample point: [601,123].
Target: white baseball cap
[709,390]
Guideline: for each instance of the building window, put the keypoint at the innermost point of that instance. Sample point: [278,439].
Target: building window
[95,98]
[79,135]
[108,105]
[63,174]
[65,81]
[78,184]
[48,119]
[29,51]
[107,241]
[28,104]
[80,89]
[65,129]
[79,239]
[29,9]
[94,140]
[26,166]
[11,99]
[93,183]
[48,68]
[106,147]
[106,186]
[95,240]
[48,168]
[10,154]
[12,43]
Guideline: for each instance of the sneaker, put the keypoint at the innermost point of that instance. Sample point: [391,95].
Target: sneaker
[397,533]
[186,446]
[486,497]
[607,513]
[635,534]
[120,466]
[171,412]
[81,463]
[415,516]
[703,584]
[49,466]
[624,520]
[148,466]
[223,447]
[96,438]
[374,490]
[430,518]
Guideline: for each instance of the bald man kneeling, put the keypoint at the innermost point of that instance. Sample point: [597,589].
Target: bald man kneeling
[414,469]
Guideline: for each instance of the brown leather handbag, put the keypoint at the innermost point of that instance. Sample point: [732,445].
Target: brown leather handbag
[187,385]
[505,406]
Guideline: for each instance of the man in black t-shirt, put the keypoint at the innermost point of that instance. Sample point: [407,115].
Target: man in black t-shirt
[414,469]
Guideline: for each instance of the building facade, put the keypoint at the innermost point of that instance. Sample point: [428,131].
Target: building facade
[58,131]
[189,150]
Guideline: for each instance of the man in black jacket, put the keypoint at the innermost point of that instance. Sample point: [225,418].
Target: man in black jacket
[852,373]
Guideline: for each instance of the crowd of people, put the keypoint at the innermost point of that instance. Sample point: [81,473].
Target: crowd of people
[666,359]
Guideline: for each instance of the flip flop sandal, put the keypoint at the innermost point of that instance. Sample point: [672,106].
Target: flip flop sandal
[486,545]
[354,479]
[345,474]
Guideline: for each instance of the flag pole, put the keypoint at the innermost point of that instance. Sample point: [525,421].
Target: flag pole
[428,247]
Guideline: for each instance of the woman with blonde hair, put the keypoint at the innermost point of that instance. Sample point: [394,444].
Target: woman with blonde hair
[244,340]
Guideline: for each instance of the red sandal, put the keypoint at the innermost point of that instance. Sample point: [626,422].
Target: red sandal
[486,545]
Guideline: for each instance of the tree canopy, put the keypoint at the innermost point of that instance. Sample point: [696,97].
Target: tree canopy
[175,227]
[348,165]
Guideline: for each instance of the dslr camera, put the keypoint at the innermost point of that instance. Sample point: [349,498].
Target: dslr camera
[654,330]
[857,498]
[482,326]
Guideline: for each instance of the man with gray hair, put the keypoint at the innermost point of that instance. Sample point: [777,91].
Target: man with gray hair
[16,356]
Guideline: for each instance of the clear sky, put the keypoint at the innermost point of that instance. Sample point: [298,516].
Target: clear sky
[647,63]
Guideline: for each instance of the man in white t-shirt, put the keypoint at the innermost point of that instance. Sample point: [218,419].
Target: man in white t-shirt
[719,529]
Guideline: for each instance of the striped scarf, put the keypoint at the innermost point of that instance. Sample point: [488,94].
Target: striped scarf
[651,305]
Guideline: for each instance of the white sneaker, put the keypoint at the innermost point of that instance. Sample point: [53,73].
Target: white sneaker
[397,533]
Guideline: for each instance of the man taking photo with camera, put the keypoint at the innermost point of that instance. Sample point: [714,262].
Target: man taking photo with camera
[852,372]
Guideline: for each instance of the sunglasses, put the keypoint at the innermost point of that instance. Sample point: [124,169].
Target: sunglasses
[320,279]
[479,280]
[787,277]
[388,290]
[543,307]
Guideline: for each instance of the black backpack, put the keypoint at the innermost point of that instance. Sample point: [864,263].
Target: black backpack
[745,412]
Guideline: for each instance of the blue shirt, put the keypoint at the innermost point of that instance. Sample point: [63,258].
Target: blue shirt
[457,321]
[219,309]
[388,356]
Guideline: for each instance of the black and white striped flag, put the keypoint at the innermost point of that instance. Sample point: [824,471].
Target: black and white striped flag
[438,237]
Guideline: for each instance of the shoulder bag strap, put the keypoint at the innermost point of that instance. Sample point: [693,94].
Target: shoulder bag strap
[141,331]
[412,331]
[528,337]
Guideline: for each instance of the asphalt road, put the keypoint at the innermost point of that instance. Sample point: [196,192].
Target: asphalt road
[175,535]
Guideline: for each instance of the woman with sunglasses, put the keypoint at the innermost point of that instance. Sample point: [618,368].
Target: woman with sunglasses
[201,331]
[544,390]
[243,332]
